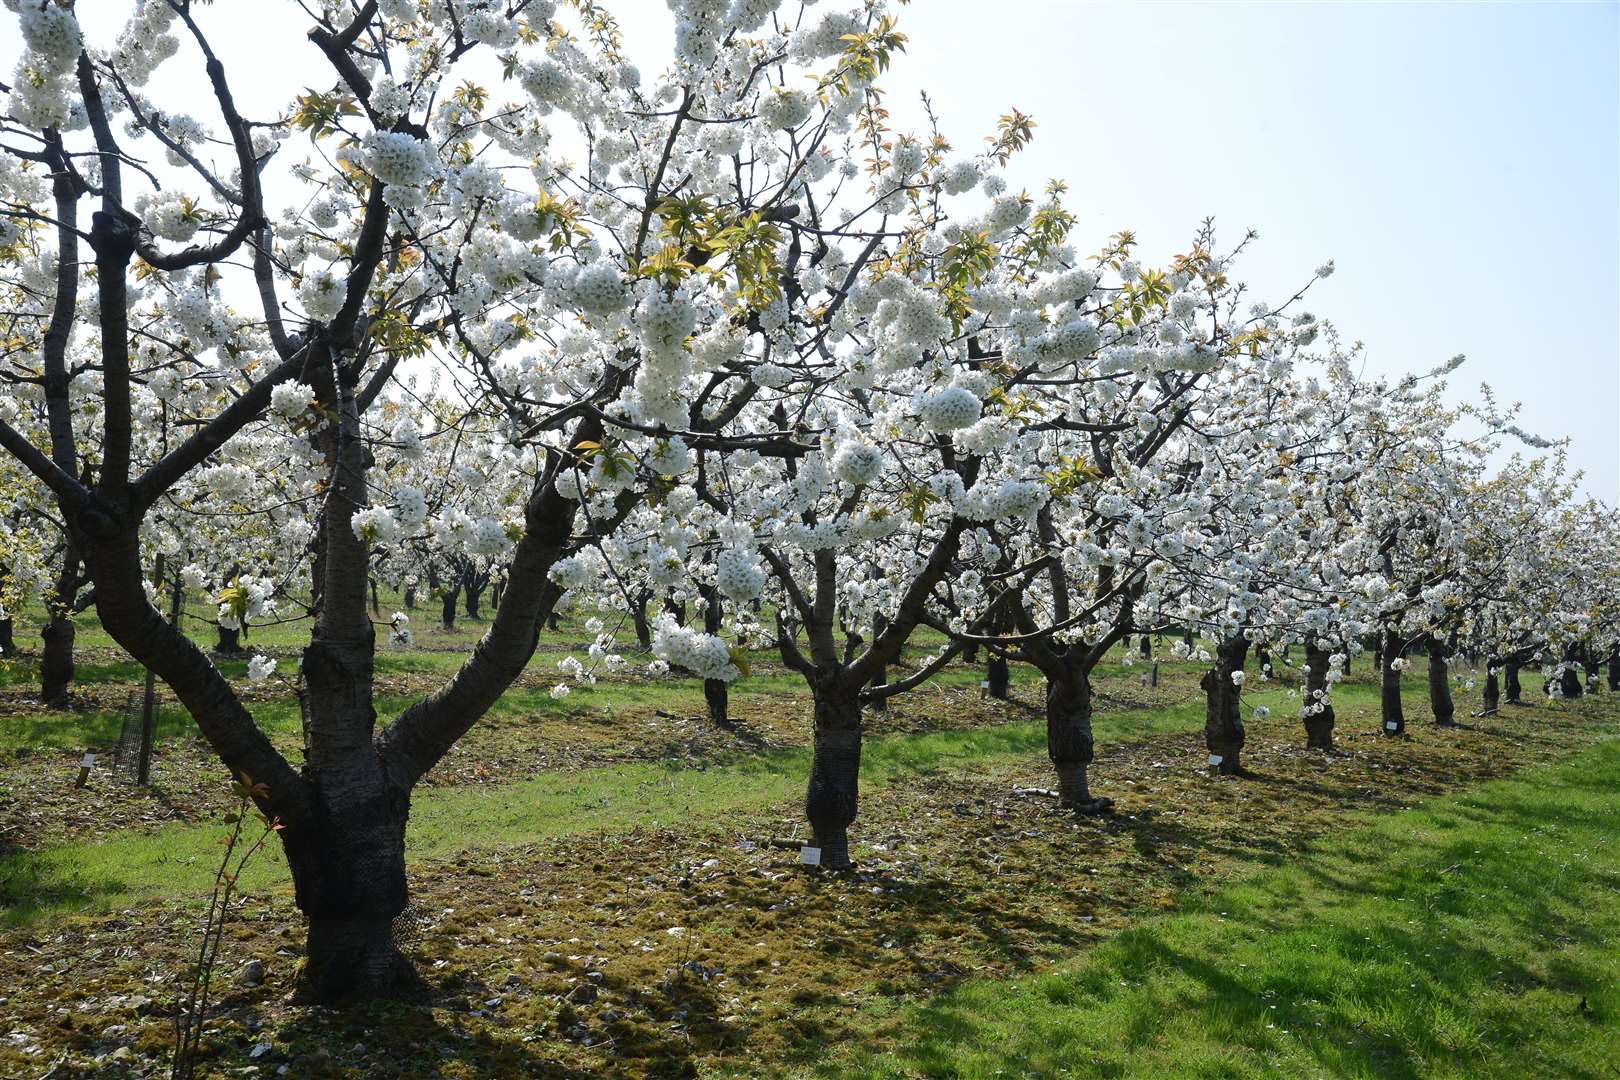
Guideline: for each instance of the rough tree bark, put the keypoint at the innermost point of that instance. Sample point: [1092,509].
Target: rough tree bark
[1510,679]
[1318,725]
[56,668]
[1389,684]
[1224,733]
[715,698]
[1493,685]
[833,795]
[447,609]
[1440,702]
[1069,743]
[997,676]
[1614,668]
[8,638]
[638,617]
[1569,680]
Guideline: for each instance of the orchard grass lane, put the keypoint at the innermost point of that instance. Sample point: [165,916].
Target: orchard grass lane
[176,861]
[1475,936]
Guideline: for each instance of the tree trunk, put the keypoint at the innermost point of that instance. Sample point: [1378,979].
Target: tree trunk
[638,616]
[8,639]
[495,591]
[1569,680]
[1389,682]
[410,598]
[376,600]
[1146,648]
[1493,685]
[56,660]
[881,678]
[475,594]
[448,611]
[1510,680]
[1440,685]
[831,801]
[998,676]
[1319,716]
[348,860]
[1223,715]
[714,690]
[227,641]
[1614,669]
[1069,743]
[349,880]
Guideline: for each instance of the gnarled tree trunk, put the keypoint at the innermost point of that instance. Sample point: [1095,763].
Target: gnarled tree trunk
[447,611]
[1493,685]
[997,676]
[8,639]
[1319,718]
[227,640]
[832,799]
[1614,669]
[1068,740]
[1510,680]
[1440,701]
[1569,680]
[56,667]
[1389,684]
[714,690]
[1224,733]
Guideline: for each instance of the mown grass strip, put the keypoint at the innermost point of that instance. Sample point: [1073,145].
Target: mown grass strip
[180,860]
[1476,936]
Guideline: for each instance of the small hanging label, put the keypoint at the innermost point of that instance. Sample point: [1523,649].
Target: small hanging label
[1215,759]
[1390,725]
[89,762]
[984,684]
[810,856]
[85,766]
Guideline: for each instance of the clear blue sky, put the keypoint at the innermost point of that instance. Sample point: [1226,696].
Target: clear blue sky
[1461,162]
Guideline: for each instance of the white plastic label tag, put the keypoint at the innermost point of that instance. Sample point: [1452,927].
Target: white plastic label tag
[1215,759]
[1390,725]
[89,761]
[810,856]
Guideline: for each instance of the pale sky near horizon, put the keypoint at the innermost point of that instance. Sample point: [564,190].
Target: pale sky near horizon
[1459,162]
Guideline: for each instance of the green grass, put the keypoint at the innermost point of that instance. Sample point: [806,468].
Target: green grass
[1458,939]
[180,860]
[85,728]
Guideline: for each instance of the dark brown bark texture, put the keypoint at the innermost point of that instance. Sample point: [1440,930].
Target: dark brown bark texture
[1319,725]
[56,668]
[1224,734]
[832,798]
[997,677]
[1389,685]
[1440,684]
[1069,742]
[1569,680]
[715,697]
[227,640]
[8,638]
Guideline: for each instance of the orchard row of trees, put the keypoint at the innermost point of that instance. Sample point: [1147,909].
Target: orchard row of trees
[714,355]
